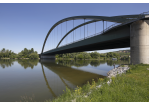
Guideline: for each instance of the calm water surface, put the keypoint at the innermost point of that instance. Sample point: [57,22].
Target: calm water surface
[40,80]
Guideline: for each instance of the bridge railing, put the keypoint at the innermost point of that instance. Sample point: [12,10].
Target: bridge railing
[110,27]
[145,12]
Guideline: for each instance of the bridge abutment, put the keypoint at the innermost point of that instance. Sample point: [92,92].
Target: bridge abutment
[139,42]
[52,57]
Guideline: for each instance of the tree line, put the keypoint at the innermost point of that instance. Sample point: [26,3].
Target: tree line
[92,55]
[79,55]
[26,53]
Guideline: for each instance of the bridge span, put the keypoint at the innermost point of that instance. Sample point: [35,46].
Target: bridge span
[129,31]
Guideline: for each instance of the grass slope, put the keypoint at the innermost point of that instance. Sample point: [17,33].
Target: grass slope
[130,87]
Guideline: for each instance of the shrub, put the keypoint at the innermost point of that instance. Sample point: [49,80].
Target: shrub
[33,56]
[79,56]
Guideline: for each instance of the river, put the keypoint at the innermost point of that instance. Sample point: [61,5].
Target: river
[41,80]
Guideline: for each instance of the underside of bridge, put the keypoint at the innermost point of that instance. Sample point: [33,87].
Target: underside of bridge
[116,38]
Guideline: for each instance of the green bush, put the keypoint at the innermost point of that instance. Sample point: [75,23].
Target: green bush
[95,55]
[79,56]
[33,56]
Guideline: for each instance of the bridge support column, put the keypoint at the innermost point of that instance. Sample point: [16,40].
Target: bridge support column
[47,57]
[139,42]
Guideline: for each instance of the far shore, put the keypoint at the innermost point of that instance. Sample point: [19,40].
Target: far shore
[16,58]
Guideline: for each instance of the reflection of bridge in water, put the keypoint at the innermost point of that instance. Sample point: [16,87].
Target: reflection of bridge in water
[70,77]
[47,81]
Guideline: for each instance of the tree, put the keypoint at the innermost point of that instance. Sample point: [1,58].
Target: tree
[57,56]
[109,54]
[95,55]
[3,50]
[20,55]
[33,56]
[25,53]
[35,52]
[64,55]
[0,55]
[72,55]
[79,56]
[102,55]
[32,50]
[112,55]
[86,55]
[60,55]
[116,55]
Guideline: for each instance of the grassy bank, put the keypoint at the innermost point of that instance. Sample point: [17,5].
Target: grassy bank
[130,87]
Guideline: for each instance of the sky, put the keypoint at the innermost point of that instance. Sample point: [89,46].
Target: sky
[25,25]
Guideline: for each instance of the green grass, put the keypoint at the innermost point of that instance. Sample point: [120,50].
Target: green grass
[130,87]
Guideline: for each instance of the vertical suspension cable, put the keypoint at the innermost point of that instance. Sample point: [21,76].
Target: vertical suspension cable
[80,32]
[49,43]
[57,34]
[73,30]
[52,41]
[103,26]
[54,37]
[72,34]
[95,27]
[75,35]
[87,30]
[66,32]
[84,28]
[61,29]
[75,38]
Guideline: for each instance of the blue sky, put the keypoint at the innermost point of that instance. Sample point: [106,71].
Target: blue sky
[25,25]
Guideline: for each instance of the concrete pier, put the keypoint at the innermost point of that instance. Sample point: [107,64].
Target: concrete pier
[47,57]
[139,42]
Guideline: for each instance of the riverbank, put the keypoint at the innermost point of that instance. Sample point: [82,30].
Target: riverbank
[88,59]
[17,58]
[128,86]
[76,59]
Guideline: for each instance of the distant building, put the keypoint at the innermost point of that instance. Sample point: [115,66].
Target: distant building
[124,51]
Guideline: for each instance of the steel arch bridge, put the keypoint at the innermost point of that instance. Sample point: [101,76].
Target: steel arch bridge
[121,21]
